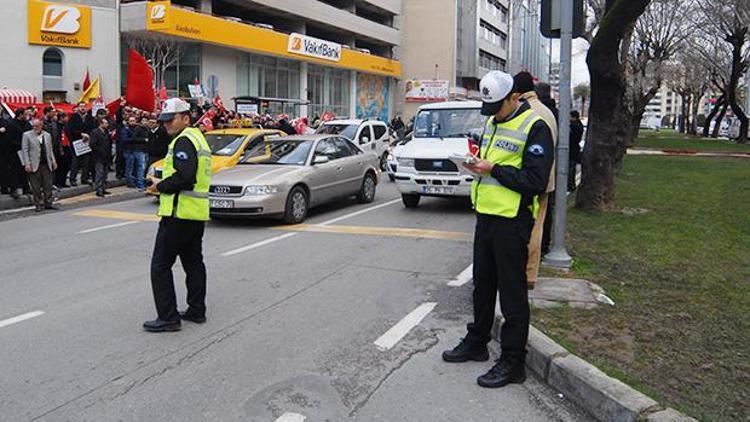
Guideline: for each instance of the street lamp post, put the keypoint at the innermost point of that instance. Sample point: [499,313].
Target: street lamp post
[558,256]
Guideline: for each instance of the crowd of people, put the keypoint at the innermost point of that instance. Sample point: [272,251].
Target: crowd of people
[125,141]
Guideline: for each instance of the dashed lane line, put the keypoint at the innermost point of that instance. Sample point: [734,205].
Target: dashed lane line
[291,417]
[463,278]
[107,227]
[19,318]
[402,328]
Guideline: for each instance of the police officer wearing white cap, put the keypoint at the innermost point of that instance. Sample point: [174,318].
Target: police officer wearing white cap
[512,169]
[184,210]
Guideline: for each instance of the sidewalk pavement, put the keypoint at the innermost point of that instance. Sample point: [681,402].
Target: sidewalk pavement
[7,202]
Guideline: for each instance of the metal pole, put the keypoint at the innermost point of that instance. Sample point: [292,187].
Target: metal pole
[558,256]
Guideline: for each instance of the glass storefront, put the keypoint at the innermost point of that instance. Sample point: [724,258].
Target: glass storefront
[265,76]
[328,90]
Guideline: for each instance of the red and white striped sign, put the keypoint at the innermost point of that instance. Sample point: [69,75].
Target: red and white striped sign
[17,96]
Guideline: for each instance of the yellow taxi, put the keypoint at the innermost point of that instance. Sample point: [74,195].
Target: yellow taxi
[227,148]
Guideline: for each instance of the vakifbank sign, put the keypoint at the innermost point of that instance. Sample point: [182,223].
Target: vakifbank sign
[59,24]
[314,47]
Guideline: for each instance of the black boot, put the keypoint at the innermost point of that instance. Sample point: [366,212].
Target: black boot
[466,351]
[506,371]
[158,325]
[193,316]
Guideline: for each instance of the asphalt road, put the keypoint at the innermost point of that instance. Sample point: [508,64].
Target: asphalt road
[341,319]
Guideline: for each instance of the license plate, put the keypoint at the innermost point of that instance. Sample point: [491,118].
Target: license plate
[437,190]
[221,203]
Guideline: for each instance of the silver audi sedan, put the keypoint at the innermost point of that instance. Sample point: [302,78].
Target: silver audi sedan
[286,176]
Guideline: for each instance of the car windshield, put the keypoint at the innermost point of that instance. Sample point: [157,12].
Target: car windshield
[291,152]
[448,123]
[338,129]
[224,145]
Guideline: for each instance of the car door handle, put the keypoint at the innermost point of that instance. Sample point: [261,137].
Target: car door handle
[339,168]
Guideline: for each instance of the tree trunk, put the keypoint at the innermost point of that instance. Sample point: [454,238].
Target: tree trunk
[711,115]
[719,119]
[694,112]
[610,120]
[734,80]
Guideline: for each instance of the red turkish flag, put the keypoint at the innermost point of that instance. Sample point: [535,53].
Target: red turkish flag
[86,81]
[139,89]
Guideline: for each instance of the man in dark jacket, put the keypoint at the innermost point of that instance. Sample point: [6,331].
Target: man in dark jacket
[138,154]
[49,124]
[14,131]
[576,134]
[66,152]
[285,126]
[77,130]
[101,154]
[158,141]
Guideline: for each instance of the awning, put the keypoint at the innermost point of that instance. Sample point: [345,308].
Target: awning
[17,96]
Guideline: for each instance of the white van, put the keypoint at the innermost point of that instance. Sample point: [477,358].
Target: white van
[422,166]
[369,135]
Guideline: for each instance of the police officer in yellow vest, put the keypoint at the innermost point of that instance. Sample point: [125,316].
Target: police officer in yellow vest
[512,169]
[183,208]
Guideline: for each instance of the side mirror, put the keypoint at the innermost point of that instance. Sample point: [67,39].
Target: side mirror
[321,159]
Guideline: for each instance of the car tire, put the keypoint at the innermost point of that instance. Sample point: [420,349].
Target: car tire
[410,200]
[367,191]
[384,163]
[296,206]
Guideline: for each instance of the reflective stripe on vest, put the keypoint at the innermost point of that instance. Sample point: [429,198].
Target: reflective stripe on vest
[191,204]
[503,144]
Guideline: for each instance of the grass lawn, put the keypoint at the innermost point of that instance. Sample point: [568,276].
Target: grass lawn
[680,277]
[670,139]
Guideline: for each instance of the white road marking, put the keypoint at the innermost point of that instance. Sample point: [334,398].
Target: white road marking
[288,235]
[291,417]
[19,318]
[360,212]
[463,278]
[110,226]
[402,328]
[258,244]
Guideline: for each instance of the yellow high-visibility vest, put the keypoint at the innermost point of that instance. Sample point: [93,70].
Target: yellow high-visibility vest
[503,144]
[191,204]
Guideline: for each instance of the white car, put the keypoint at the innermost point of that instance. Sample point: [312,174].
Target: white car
[423,166]
[369,135]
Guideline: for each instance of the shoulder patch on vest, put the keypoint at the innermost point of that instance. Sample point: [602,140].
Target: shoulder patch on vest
[536,149]
[181,155]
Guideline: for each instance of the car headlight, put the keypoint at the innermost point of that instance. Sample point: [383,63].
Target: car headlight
[261,190]
[406,162]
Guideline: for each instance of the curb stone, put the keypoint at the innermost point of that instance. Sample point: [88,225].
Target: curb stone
[8,203]
[605,398]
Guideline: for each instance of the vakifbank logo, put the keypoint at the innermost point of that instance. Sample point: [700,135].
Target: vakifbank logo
[314,47]
[158,12]
[61,20]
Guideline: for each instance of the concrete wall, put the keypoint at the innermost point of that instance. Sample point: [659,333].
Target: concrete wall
[393,6]
[328,15]
[22,62]
[221,62]
[428,38]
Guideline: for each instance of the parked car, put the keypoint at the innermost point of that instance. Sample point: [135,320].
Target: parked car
[370,135]
[423,165]
[285,177]
[227,148]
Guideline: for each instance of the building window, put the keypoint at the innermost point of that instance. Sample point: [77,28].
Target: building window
[263,76]
[328,89]
[492,62]
[52,62]
[493,35]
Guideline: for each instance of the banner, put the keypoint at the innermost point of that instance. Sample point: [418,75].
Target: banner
[81,148]
[247,108]
[426,91]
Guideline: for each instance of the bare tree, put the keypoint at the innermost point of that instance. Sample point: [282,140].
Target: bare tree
[160,52]
[583,92]
[730,21]
[658,34]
